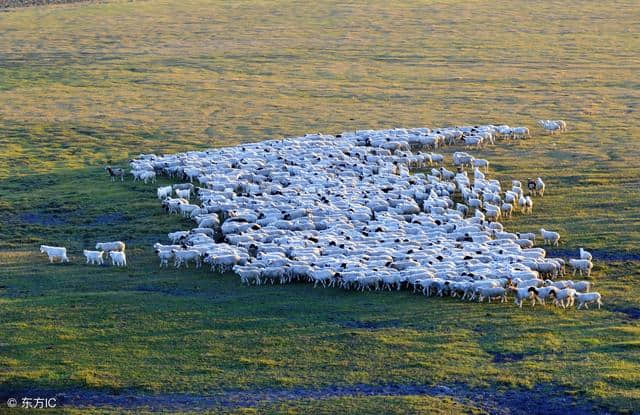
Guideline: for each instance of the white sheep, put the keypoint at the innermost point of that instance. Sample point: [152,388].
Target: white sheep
[530,236]
[183,193]
[164,192]
[491,293]
[581,265]
[111,246]
[481,163]
[177,236]
[118,258]
[528,204]
[186,255]
[584,299]
[585,254]
[522,294]
[94,257]
[550,237]
[564,297]
[55,253]
[539,187]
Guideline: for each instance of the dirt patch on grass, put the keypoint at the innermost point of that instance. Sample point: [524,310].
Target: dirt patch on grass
[42,219]
[547,399]
[507,357]
[371,325]
[110,219]
[632,312]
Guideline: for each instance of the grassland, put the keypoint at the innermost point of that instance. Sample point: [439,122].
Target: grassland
[83,85]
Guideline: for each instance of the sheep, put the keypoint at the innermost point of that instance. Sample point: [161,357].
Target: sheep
[550,237]
[525,243]
[165,255]
[492,293]
[581,265]
[507,209]
[585,255]
[539,187]
[55,253]
[186,255]
[118,258]
[522,203]
[182,186]
[553,125]
[580,286]
[111,246]
[159,246]
[544,293]
[523,293]
[183,193]
[164,192]
[520,132]
[177,236]
[562,295]
[115,172]
[94,257]
[530,236]
[584,299]
[481,163]
[144,175]
[528,204]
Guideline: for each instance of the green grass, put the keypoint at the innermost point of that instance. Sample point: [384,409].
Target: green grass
[105,82]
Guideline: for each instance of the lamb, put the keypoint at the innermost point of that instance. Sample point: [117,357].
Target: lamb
[550,237]
[94,257]
[115,172]
[585,255]
[164,192]
[118,258]
[55,253]
[581,265]
[164,255]
[584,299]
[111,246]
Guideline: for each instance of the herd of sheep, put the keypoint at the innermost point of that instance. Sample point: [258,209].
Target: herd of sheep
[345,211]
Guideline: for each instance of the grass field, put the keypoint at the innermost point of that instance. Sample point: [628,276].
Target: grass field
[86,84]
